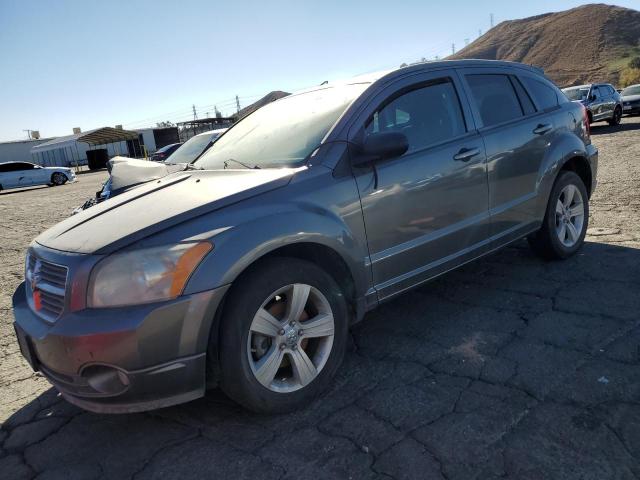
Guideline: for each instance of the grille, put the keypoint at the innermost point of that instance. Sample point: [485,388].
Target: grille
[46,287]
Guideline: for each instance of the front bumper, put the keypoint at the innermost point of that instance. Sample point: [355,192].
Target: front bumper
[632,109]
[125,359]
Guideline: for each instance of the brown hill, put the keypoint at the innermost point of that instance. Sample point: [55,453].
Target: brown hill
[268,98]
[584,44]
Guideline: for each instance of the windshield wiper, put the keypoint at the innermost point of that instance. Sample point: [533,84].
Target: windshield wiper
[191,166]
[226,164]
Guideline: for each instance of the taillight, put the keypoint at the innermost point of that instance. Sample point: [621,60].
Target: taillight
[586,127]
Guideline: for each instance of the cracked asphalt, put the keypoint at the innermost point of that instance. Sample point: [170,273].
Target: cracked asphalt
[510,367]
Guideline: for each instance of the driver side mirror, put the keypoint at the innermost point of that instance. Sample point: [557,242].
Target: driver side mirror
[381,146]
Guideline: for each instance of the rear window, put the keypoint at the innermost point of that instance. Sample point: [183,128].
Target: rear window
[543,94]
[495,98]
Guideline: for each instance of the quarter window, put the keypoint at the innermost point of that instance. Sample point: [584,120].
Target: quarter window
[495,98]
[427,115]
[544,95]
[523,96]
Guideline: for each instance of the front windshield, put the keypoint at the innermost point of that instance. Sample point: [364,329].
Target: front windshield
[576,93]
[282,133]
[191,149]
[632,90]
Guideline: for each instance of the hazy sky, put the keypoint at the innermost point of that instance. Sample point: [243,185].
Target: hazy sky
[94,63]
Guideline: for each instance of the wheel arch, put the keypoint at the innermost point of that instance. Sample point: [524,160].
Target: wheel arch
[580,166]
[567,152]
[58,173]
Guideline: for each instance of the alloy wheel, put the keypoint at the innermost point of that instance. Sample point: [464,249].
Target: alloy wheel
[58,179]
[290,338]
[617,116]
[569,215]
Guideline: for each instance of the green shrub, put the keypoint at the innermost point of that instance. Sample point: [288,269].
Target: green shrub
[629,76]
[634,63]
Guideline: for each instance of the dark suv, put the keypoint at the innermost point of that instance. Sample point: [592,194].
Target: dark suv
[602,101]
[247,270]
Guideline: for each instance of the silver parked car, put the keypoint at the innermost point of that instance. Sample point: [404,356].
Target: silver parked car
[602,101]
[25,174]
[247,270]
[631,100]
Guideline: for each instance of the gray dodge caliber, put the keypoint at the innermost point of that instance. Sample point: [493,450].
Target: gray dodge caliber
[246,270]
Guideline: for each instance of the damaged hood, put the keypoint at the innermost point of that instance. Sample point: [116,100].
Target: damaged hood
[158,205]
[127,172]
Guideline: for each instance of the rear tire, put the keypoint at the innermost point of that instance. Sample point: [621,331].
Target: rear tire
[566,219]
[617,117]
[283,335]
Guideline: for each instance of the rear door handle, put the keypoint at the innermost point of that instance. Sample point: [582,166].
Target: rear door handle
[542,128]
[466,154]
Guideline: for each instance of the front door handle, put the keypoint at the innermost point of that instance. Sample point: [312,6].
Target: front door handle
[542,128]
[466,154]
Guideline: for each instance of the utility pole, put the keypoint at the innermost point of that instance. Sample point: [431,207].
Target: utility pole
[237,104]
[28,133]
[491,19]
[466,42]
[453,48]
[216,112]
[195,115]
[479,32]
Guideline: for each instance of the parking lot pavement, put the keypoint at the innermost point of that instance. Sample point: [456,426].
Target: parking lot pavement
[510,367]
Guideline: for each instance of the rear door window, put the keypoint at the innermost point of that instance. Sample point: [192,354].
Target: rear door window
[24,166]
[427,116]
[543,94]
[495,98]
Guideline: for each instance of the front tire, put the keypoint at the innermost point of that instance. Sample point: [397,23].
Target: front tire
[58,179]
[283,335]
[617,117]
[566,219]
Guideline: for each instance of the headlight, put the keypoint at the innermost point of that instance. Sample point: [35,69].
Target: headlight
[144,276]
